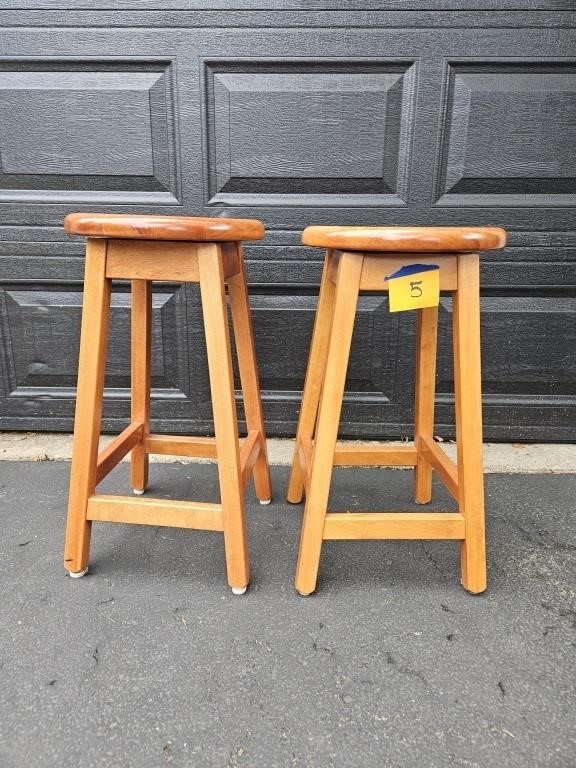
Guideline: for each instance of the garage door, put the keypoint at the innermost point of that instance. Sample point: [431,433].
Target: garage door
[311,113]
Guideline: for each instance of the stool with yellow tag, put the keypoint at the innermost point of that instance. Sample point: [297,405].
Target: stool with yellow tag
[414,264]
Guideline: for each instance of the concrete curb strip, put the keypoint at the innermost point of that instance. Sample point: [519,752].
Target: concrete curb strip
[498,457]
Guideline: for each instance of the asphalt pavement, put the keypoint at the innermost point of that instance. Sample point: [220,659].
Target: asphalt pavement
[150,661]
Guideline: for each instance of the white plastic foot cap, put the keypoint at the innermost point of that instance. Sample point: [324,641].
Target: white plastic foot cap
[265,501]
[78,574]
[138,491]
[303,594]
[239,590]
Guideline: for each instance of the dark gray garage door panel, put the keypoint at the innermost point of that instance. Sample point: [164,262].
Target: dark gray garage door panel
[402,120]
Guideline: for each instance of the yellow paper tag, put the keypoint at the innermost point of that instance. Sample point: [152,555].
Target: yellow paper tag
[413,287]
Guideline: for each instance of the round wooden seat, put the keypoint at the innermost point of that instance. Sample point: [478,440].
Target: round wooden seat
[141,227]
[407,239]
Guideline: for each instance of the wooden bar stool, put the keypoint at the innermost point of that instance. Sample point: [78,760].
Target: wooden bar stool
[361,258]
[142,249]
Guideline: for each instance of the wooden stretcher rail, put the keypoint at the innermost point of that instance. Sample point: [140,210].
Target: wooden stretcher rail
[394,525]
[249,453]
[366,455]
[181,445]
[164,512]
[305,448]
[117,449]
[438,460]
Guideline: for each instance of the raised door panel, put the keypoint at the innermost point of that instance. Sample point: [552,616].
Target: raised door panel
[75,132]
[528,367]
[309,133]
[509,133]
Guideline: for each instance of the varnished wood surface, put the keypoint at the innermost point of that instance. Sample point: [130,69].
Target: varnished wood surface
[149,260]
[181,445]
[141,377]
[468,403]
[192,228]
[425,387]
[312,385]
[215,312]
[329,407]
[377,267]
[167,260]
[115,451]
[248,368]
[91,370]
[202,516]
[394,525]
[412,239]
[435,457]
[249,454]
[348,454]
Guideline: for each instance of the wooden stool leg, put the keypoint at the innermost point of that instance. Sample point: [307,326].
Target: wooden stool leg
[467,379]
[91,369]
[246,352]
[346,299]
[426,336]
[314,378]
[224,408]
[141,323]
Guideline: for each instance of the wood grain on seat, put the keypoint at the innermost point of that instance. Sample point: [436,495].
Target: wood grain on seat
[191,228]
[411,239]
